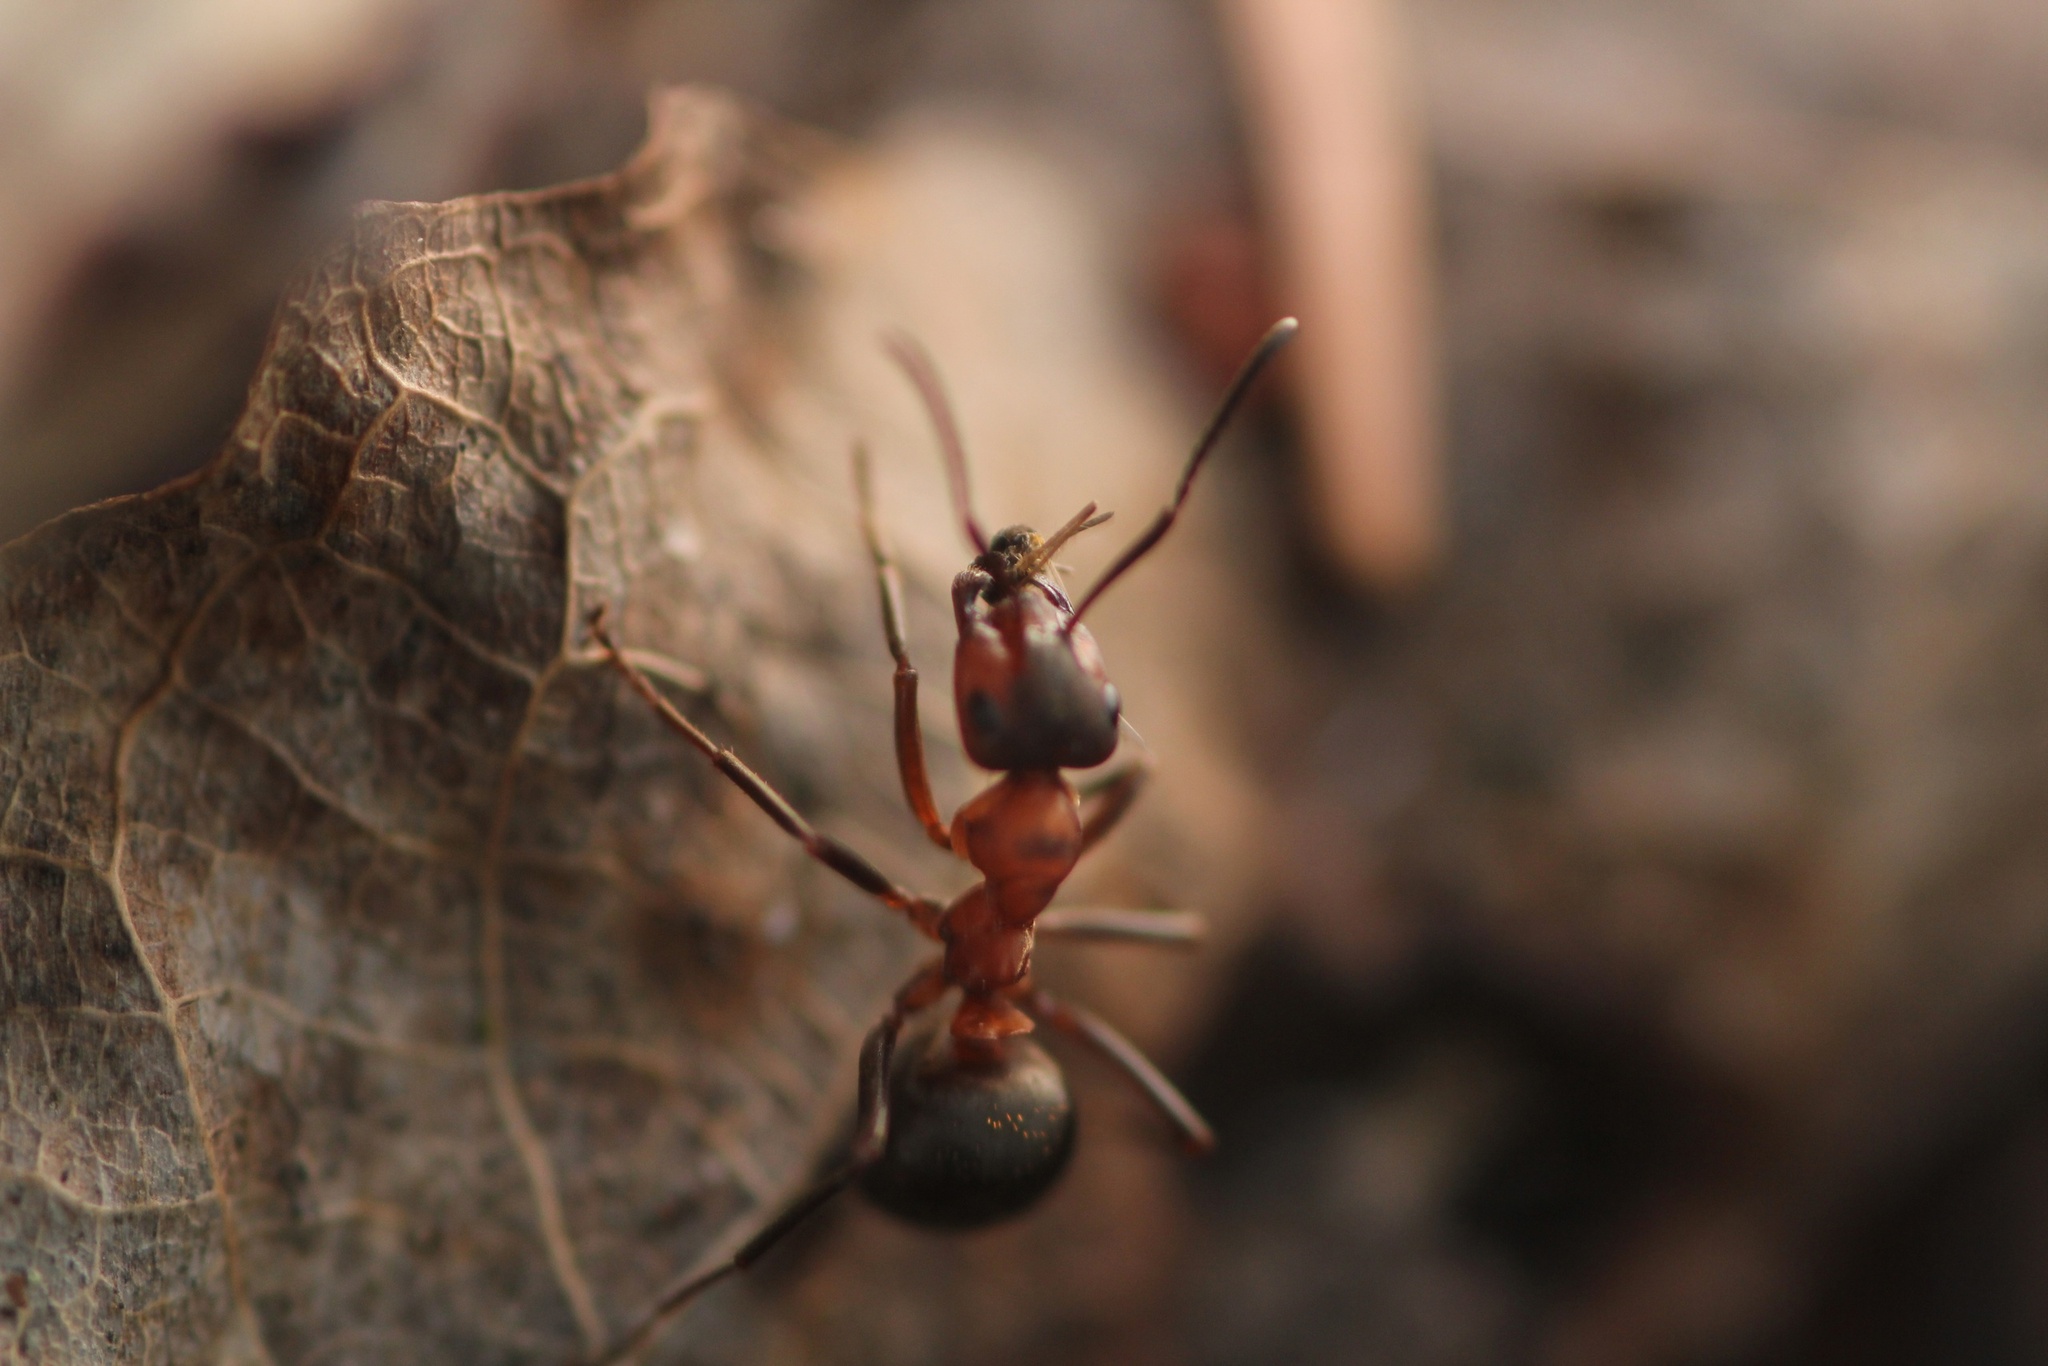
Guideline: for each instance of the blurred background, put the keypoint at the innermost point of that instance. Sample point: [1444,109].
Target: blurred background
[1634,622]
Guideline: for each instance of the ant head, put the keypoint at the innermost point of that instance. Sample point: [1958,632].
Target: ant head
[1028,682]
[1029,685]
[972,1138]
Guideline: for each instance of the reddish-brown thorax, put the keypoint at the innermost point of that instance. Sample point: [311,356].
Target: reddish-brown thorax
[1023,835]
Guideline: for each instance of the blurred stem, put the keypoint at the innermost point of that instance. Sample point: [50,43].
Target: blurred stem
[1338,160]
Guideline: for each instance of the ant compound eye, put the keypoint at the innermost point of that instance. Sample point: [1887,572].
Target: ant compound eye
[1115,702]
[971,1142]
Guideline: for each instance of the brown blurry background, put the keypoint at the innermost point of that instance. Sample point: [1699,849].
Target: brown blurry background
[1632,629]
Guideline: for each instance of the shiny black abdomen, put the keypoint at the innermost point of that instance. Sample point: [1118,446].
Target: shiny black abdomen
[971,1143]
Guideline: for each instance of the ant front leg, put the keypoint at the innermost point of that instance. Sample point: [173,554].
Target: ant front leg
[1113,794]
[1196,1137]
[870,1141]
[923,911]
[910,762]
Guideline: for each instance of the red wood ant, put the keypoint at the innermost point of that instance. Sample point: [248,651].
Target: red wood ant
[976,1123]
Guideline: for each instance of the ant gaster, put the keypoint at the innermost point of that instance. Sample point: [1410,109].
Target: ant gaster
[974,1123]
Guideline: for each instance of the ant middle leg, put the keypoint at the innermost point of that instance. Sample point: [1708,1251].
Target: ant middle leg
[910,761]
[923,911]
[1174,929]
[870,1140]
[1196,1137]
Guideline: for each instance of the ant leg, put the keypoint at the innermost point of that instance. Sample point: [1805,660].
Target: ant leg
[923,911]
[1175,928]
[1196,1137]
[1116,793]
[870,1138]
[917,782]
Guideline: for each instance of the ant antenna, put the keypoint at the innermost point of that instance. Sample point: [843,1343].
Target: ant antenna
[1277,336]
[916,363]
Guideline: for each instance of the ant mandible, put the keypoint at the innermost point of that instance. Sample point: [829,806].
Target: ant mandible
[976,1124]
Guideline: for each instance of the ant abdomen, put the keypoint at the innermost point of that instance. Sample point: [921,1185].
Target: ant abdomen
[971,1140]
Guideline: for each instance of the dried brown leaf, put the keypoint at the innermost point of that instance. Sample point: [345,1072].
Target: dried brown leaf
[378,982]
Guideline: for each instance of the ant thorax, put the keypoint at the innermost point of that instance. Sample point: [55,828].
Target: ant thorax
[1023,835]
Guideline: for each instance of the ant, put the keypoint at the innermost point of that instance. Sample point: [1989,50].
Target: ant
[974,1124]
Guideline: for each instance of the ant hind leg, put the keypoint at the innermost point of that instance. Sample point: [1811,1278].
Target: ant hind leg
[1195,1134]
[870,1139]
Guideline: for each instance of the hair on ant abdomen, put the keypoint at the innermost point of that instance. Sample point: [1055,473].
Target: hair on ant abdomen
[972,1123]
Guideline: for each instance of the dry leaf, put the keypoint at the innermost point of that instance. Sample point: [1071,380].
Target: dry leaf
[378,982]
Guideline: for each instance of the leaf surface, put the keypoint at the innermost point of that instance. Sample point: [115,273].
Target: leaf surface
[379,983]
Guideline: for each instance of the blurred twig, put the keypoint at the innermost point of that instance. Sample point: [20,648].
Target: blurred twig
[1339,160]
